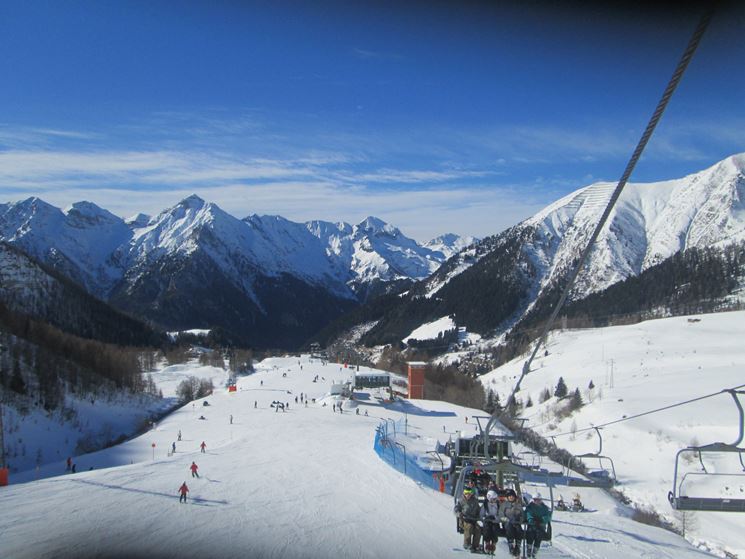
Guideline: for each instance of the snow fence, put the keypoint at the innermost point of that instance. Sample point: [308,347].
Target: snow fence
[408,461]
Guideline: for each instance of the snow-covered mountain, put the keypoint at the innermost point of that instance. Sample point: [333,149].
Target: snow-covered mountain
[449,244]
[493,283]
[181,266]
[650,222]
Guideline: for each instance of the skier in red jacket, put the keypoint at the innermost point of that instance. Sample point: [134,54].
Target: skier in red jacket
[203,446]
[194,469]
[183,490]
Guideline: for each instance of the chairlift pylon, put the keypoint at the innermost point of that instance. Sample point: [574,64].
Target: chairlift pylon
[681,502]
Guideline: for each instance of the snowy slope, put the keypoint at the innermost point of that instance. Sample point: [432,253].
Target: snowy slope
[305,483]
[639,368]
[651,222]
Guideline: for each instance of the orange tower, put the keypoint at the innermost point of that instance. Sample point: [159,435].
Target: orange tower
[416,379]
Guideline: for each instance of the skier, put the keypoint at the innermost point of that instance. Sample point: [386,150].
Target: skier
[490,520]
[539,518]
[73,468]
[179,435]
[69,463]
[173,448]
[183,490]
[194,469]
[468,512]
[358,411]
[203,446]
[511,516]
[365,413]
[255,404]
[262,383]
[231,418]
[577,505]
[561,505]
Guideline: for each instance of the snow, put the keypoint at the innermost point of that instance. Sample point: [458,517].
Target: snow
[431,330]
[304,483]
[642,367]
[193,331]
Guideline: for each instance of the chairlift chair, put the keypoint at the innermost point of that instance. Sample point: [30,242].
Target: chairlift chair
[603,477]
[710,504]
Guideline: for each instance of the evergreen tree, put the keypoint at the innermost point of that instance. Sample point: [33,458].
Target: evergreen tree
[529,403]
[561,389]
[576,402]
[591,385]
[17,383]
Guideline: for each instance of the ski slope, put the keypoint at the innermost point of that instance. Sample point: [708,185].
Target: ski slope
[301,484]
[642,367]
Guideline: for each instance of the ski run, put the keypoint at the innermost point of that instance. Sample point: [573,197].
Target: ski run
[306,482]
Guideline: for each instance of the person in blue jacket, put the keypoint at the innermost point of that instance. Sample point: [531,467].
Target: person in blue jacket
[539,520]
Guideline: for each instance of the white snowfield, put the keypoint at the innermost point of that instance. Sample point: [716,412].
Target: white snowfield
[642,367]
[305,483]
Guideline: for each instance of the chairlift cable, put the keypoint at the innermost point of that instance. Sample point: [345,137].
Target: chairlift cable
[669,90]
[657,410]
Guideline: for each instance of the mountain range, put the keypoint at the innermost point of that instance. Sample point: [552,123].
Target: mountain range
[264,278]
[490,286]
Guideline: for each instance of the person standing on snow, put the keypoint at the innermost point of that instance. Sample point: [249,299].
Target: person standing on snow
[194,469]
[539,518]
[178,438]
[511,516]
[468,513]
[69,463]
[183,490]
[490,520]
[231,418]
[203,446]
[173,447]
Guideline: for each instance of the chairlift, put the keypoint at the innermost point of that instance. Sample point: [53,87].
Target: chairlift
[602,477]
[681,502]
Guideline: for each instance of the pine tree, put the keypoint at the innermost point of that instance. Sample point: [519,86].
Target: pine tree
[576,402]
[529,403]
[561,389]
[591,385]
[17,383]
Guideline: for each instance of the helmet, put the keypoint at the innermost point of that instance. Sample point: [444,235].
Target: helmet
[491,495]
[511,493]
[468,490]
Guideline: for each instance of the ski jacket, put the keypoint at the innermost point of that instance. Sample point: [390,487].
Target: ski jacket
[193,467]
[512,511]
[469,508]
[183,489]
[490,512]
[538,514]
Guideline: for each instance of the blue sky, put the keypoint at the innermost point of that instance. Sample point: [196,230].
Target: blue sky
[435,116]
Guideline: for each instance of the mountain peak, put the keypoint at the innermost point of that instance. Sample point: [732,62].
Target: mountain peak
[738,161]
[90,212]
[192,202]
[138,220]
[376,226]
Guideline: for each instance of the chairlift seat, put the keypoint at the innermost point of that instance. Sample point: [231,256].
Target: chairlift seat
[707,504]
